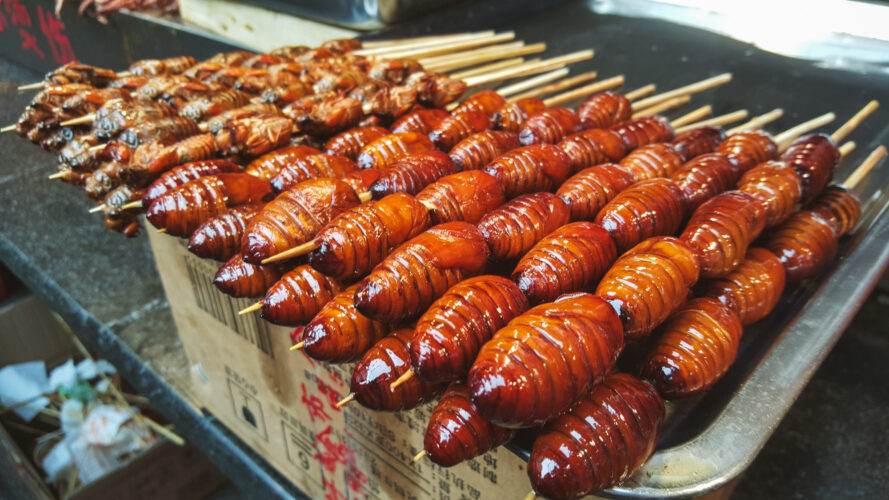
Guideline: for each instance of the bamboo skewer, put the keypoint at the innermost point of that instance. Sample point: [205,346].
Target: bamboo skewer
[846,148]
[98,208]
[249,309]
[663,106]
[297,346]
[80,120]
[449,47]
[530,69]
[372,44]
[419,456]
[692,88]
[434,42]
[556,87]
[640,92]
[530,83]
[57,175]
[479,70]
[847,128]
[608,83]
[715,121]
[8,128]
[346,400]
[471,58]
[402,379]
[866,166]
[784,139]
[692,116]
[757,121]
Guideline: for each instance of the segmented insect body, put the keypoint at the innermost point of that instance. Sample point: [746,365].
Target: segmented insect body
[456,432]
[648,282]
[540,167]
[570,259]
[413,172]
[457,127]
[240,279]
[544,360]
[776,186]
[177,176]
[698,141]
[749,148]
[409,280]
[512,115]
[652,161]
[350,142]
[312,166]
[549,126]
[751,290]
[512,229]
[220,237]
[593,147]
[814,158]
[696,346]
[298,296]
[339,333]
[382,152]
[649,208]
[642,131]
[589,190]
[387,360]
[465,196]
[704,177]
[604,109]
[601,442]
[477,150]
[360,238]
[420,121]
[840,207]
[449,335]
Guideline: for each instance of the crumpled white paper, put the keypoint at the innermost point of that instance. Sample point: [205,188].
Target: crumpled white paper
[24,382]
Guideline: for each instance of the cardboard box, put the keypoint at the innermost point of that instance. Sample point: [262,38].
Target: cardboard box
[282,404]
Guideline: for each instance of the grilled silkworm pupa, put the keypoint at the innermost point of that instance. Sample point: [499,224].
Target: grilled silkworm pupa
[512,115]
[360,238]
[593,147]
[409,280]
[776,186]
[295,216]
[270,164]
[339,333]
[298,296]
[312,167]
[464,196]
[695,348]
[652,161]
[749,148]
[411,173]
[544,360]
[641,131]
[648,282]
[459,126]
[477,150]
[569,259]
[177,176]
[183,209]
[603,110]
[541,167]
[698,141]
[220,237]
[751,290]
[549,126]
[449,335]
[721,229]
[512,229]
[456,432]
[704,177]
[350,142]
[814,158]
[601,442]
[382,152]
[241,279]
[387,360]
[649,208]
[589,190]
[420,121]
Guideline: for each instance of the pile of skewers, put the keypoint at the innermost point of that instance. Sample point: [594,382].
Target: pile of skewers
[454,251]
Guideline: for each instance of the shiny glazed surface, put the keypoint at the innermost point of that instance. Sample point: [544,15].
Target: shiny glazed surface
[649,208]
[541,167]
[751,290]
[477,150]
[384,151]
[298,296]
[412,173]
[339,333]
[513,228]
[465,196]
[220,237]
[587,191]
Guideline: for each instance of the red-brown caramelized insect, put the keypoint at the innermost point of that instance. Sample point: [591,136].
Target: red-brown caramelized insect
[776,186]
[544,360]
[387,149]
[312,167]
[350,142]
[457,127]
[805,244]
[649,208]
[604,110]
[298,296]
[840,207]
[339,333]
[512,229]
[749,148]
[240,279]
[450,334]
[722,228]
[512,115]
[652,161]
[529,169]
[185,208]
[295,216]
[420,121]
[751,290]
[593,147]
[698,141]
[641,131]
[479,149]
[648,282]
[549,126]
[362,180]
[704,177]
[409,280]
[589,190]
[360,238]
[177,176]
[220,237]
[465,196]
[387,360]
[456,432]
[697,345]
[270,164]
[601,442]
[814,158]
[570,259]
[411,173]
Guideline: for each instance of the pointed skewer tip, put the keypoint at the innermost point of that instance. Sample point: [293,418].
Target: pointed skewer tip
[297,346]
[402,379]
[249,309]
[345,400]
[419,456]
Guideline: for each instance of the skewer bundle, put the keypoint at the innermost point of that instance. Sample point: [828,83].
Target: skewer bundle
[579,200]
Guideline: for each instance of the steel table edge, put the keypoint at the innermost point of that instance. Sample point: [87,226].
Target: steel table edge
[252,475]
[730,444]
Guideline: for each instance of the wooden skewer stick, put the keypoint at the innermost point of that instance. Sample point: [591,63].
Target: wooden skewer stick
[471,58]
[473,53]
[8,128]
[866,166]
[98,208]
[692,116]
[784,139]
[419,456]
[531,496]
[32,86]
[293,252]
[530,83]
[346,400]
[692,88]
[95,149]
[450,47]
[385,50]
[663,106]
[715,121]
[249,309]
[757,121]
[87,118]
[372,44]
[556,87]
[132,204]
[297,346]
[487,68]
[530,69]
[847,128]
[640,92]
[162,230]
[846,149]
[58,175]
[402,379]
[586,90]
